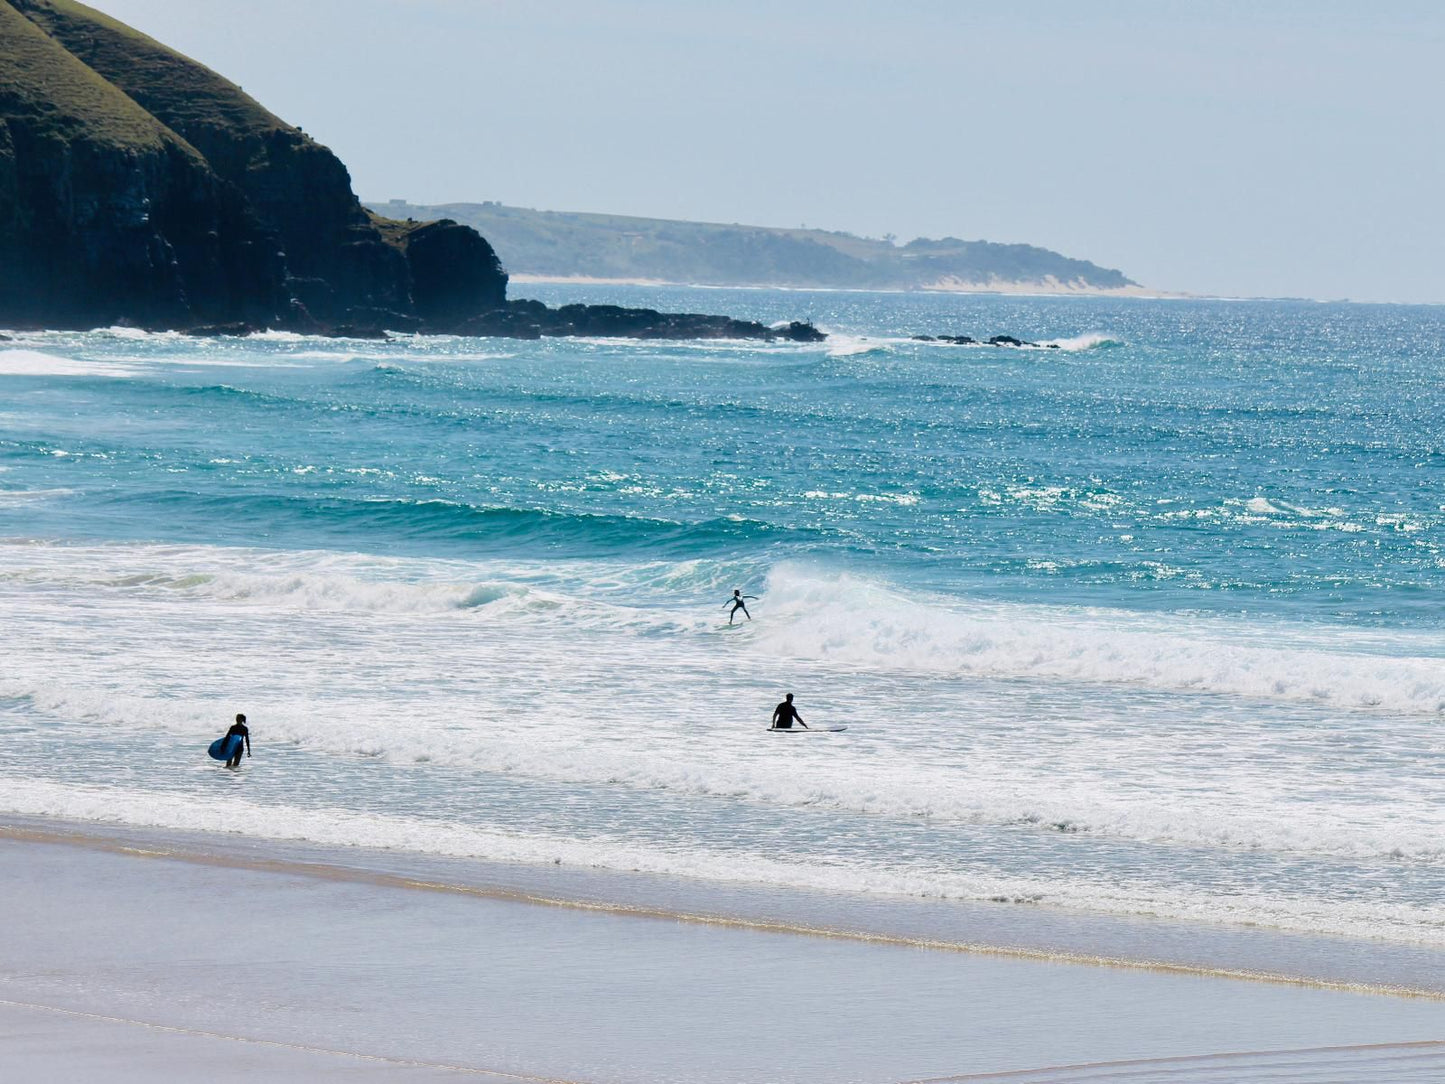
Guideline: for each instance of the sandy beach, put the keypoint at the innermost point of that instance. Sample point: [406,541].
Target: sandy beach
[134,956]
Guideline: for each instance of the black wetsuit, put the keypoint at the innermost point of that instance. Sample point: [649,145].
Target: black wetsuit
[784,714]
[238,730]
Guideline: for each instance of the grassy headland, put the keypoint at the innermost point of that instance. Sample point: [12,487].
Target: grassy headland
[558,244]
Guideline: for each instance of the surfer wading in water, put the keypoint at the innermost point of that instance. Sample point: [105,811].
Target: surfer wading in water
[785,713]
[736,602]
[242,735]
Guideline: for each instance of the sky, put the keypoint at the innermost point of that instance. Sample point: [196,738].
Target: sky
[1230,148]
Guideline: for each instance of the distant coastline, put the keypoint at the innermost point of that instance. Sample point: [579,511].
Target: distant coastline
[139,188]
[1019,289]
[586,247]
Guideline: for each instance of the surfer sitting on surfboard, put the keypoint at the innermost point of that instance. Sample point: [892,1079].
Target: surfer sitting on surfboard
[785,713]
[736,602]
[238,730]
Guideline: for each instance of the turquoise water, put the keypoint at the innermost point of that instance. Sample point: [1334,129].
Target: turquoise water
[1145,624]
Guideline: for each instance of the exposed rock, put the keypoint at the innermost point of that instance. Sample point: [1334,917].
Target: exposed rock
[533,320]
[800,331]
[138,186]
[996,340]
[381,319]
[105,214]
[216,331]
[294,185]
[454,272]
[350,331]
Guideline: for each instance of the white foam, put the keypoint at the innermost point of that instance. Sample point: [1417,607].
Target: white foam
[1088,341]
[295,582]
[25,496]
[967,771]
[118,331]
[421,662]
[846,620]
[838,345]
[1261,506]
[36,363]
[337,827]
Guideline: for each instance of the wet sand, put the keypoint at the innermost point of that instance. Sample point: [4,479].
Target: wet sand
[124,958]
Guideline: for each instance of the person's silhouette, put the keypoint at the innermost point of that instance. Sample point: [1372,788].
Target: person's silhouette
[238,730]
[785,713]
[736,602]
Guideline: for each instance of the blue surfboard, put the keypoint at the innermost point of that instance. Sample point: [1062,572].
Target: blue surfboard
[225,747]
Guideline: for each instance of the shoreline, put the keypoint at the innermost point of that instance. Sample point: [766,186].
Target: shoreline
[129,960]
[1016,932]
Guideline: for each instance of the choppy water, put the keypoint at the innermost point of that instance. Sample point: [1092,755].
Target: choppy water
[1148,624]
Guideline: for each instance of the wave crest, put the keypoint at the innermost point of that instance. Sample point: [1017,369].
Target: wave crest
[848,620]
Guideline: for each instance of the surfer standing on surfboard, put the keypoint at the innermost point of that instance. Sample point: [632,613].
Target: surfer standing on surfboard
[785,713]
[238,730]
[736,602]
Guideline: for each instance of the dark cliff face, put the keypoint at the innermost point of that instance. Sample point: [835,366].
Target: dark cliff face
[292,183]
[106,215]
[139,185]
[455,272]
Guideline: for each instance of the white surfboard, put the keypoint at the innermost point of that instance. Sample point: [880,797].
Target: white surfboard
[810,730]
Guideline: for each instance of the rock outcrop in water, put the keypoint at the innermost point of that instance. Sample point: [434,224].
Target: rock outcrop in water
[140,187]
[534,320]
[992,340]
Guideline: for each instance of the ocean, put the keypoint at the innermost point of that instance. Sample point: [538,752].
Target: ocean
[1145,627]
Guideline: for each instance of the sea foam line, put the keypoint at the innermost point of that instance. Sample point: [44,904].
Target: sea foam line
[852,621]
[336,827]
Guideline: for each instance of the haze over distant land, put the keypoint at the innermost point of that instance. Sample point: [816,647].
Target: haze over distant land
[140,187]
[1233,148]
[570,245]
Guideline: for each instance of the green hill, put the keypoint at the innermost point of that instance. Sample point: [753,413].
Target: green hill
[89,183]
[138,185]
[565,244]
[294,184]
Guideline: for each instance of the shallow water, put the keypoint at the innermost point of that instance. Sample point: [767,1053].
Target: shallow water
[1146,625]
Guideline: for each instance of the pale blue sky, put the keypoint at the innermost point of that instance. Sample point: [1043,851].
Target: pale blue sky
[1232,148]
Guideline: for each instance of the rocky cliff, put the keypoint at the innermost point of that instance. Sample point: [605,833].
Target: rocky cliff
[105,213]
[138,186]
